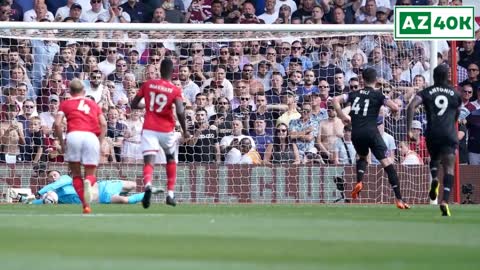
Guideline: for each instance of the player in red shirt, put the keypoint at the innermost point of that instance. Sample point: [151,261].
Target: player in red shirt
[86,129]
[159,127]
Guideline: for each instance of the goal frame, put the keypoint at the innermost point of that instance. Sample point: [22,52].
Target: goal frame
[329,28]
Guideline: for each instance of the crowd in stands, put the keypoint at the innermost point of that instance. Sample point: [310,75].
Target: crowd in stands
[247,101]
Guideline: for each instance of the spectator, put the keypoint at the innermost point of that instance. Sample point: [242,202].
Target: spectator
[11,136]
[204,143]
[92,15]
[368,13]
[263,111]
[48,117]
[248,15]
[418,143]
[330,130]
[136,10]
[95,87]
[244,109]
[288,98]
[231,141]
[282,150]
[114,14]
[344,10]
[115,131]
[289,3]
[38,13]
[303,132]
[469,54]
[467,91]
[255,86]
[260,135]
[249,154]
[131,150]
[108,65]
[308,86]
[344,152]
[297,53]
[34,145]
[473,72]
[474,105]
[324,69]
[219,79]
[197,12]
[409,157]
[270,14]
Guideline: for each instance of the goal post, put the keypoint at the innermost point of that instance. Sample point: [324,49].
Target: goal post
[308,178]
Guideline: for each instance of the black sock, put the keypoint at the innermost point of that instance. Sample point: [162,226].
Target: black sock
[361,168]
[434,169]
[447,186]
[393,180]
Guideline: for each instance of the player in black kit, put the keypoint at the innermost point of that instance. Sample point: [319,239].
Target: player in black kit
[364,111]
[442,105]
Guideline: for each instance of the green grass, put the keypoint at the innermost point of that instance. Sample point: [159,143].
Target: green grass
[244,237]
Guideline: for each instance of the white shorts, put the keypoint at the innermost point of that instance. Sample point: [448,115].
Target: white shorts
[152,141]
[83,147]
[131,150]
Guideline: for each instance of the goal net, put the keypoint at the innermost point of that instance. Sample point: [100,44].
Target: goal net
[257,105]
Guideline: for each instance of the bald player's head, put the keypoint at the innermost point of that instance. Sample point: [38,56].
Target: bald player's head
[76,87]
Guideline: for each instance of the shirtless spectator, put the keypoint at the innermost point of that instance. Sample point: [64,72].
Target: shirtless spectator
[330,130]
[11,136]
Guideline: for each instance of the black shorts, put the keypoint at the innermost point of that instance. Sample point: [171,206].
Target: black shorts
[437,148]
[365,140]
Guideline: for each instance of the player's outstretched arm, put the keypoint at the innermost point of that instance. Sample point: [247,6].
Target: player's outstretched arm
[417,100]
[103,127]
[135,104]
[180,110]
[392,105]
[336,102]
[64,180]
[58,128]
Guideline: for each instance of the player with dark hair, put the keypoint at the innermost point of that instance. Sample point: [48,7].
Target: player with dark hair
[366,105]
[442,105]
[86,129]
[159,127]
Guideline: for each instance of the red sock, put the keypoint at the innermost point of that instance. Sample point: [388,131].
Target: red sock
[171,175]
[147,174]
[92,179]
[78,186]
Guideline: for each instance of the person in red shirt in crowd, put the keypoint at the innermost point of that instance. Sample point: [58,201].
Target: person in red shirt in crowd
[159,127]
[86,129]
[418,143]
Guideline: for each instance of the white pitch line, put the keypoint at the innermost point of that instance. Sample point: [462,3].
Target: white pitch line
[79,215]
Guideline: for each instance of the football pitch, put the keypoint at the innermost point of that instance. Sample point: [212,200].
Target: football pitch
[243,237]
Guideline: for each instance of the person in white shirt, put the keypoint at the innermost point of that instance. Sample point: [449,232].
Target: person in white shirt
[47,118]
[270,14]
[219,78]
[409,157]
[290,3]
[190,89]
[108,65]
[92,14]
[94,86]
[38,13]
[114,14]
[229,142]
[64,12]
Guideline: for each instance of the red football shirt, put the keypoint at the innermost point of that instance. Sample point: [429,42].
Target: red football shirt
[159,97]
[82,115]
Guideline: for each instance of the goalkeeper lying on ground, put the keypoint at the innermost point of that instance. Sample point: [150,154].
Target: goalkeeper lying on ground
[105,192]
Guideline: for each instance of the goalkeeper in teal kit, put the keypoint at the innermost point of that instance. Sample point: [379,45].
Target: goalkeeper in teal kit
[105,192]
